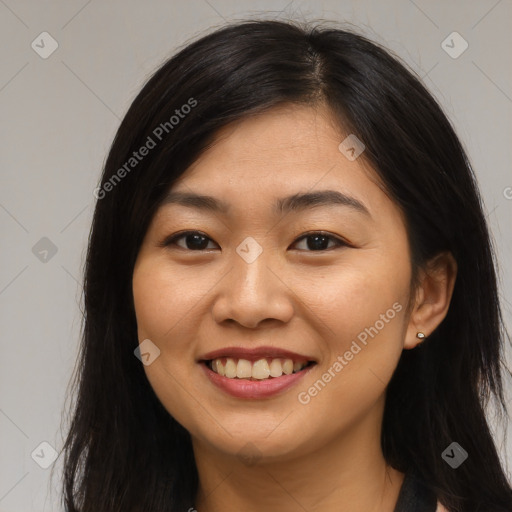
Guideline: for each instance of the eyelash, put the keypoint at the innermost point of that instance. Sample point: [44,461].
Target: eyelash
[171,240]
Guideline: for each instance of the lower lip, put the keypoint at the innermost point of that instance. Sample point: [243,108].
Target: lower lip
[255,389]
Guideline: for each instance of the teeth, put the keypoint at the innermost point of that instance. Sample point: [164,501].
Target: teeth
[276,368]
[218,367]
[243,369]
[230,368]
[258,370]
[288,366]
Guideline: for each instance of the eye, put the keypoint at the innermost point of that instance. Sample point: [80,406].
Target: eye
[316,241]
[194,240]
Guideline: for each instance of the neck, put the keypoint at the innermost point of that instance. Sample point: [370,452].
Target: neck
[347,474]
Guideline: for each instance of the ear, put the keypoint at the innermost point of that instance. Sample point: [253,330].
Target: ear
[433,297]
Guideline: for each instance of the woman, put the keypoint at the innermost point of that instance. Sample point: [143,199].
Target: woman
[290,291]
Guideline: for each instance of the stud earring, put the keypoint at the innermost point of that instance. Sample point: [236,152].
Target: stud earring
[420,335]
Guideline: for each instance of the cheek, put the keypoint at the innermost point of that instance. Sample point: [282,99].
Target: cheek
[168,380]
[162,302]
[162,299]
[355,296]
[362,353]
[360,311]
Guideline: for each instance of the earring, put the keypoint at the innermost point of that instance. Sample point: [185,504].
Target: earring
[420,335]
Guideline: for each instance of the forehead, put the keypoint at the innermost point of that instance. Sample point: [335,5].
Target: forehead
[284,151]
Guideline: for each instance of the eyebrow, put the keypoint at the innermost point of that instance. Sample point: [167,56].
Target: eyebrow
[294,203]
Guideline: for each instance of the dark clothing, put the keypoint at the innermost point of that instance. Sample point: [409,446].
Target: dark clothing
[415,496]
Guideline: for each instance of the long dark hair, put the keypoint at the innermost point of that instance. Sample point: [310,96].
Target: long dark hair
[124,452]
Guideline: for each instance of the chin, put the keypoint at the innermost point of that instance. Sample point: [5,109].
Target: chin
[251,445]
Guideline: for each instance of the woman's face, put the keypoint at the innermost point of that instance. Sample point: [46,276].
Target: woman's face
[251,291]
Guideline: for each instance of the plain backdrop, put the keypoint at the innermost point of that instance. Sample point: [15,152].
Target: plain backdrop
[60,111]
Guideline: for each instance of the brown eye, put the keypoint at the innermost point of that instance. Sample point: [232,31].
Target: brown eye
[194,241]
[320,241]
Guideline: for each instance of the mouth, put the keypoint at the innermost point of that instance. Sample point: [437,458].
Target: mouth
[256,373]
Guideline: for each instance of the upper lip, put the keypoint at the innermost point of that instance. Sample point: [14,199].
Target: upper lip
[253,354]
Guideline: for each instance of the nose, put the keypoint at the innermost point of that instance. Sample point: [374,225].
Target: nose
[253,292]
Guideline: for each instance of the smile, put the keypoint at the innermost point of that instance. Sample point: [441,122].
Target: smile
[255,372]
[261,369]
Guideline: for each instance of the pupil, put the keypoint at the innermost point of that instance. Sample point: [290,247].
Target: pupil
[316,245]
[197,243]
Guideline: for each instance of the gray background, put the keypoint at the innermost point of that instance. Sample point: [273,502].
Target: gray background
[59,116]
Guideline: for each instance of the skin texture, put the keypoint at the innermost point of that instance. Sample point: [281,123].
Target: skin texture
[323,455]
